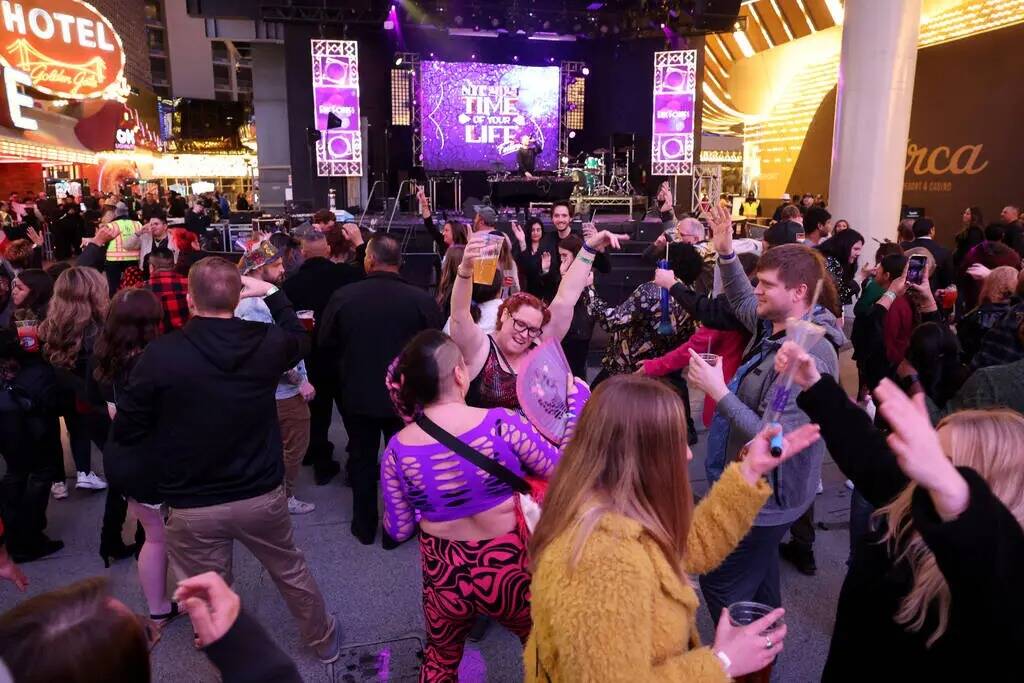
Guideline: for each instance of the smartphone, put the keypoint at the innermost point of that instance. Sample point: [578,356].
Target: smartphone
[915,269]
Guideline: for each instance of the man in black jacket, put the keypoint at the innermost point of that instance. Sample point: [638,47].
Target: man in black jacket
[364,328]
[924,236]
[201,406]
[309,289]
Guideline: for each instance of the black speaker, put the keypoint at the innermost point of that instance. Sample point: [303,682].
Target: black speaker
[715,15]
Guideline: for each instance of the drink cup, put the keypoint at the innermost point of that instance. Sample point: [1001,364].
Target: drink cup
[805,333]
[711,359]
[307,319]
[949,298]
[28,336]
[486,265]
[744,614]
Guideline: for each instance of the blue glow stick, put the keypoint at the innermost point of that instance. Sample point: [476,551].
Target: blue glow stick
[665,327]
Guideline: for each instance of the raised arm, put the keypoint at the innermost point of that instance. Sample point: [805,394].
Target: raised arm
[467,334]
[738,290]
[575,281]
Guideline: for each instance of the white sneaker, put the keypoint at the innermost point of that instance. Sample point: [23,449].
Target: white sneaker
[59,490]
[90,481]
[821,488]
[299,507]
[849,484]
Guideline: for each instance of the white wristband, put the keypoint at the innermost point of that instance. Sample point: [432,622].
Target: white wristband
[726,662]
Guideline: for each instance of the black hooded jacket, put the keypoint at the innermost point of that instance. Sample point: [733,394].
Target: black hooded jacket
[200,405]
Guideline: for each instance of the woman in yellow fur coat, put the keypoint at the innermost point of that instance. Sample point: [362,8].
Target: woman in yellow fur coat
[618,536]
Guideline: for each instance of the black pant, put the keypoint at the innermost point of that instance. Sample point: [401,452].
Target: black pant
[364,436]
[802,530]
[321,411]
[25,487]
[114,270]
[751,572]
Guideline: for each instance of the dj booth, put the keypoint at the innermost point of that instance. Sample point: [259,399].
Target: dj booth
[519,192]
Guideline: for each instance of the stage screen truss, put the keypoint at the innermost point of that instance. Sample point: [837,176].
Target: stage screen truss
[474,114]
[675,89]
[339,152]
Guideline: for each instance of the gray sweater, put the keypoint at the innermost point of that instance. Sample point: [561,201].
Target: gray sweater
[795,482]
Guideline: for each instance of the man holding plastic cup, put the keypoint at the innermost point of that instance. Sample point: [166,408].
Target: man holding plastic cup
[787,278]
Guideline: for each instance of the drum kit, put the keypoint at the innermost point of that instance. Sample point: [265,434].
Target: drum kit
[603,172]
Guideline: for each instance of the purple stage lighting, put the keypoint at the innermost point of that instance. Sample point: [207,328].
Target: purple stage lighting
[475,114]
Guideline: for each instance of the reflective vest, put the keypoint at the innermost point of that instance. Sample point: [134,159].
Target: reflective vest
[116,249]
[750,208]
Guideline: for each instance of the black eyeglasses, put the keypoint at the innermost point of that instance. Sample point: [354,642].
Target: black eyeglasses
[520,326]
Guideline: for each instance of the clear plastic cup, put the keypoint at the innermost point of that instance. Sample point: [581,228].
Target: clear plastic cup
[711,359]
[28,335]
[744,614]
[486,264]
[307,319]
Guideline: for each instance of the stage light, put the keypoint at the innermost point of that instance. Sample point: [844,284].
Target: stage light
[604,28]
[495,22]
[586,71]
[551,59]
[398,61]
[515,58]
[565,160]
[663,24]
[572,134]
[431,55]
[473,56]
[389,25]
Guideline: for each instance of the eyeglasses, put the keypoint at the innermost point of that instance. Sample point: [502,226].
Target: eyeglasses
[520,326]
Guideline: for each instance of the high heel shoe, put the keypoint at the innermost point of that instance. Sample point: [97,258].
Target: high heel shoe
[120,551]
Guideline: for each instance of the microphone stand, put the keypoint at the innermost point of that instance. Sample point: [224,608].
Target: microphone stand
[373,188]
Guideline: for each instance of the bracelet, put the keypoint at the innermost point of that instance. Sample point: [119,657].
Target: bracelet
[458,273]
[273,290]
[727,257]
[588,261]
[724,658]
[891,296]
[589,249]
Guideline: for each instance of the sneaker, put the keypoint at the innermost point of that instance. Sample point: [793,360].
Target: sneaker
[299,507]
[90,481]
[849,484]
[799,557]
[330,652]
[821,488]
[59,490]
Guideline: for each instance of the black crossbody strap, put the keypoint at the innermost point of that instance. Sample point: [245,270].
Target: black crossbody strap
[492,467]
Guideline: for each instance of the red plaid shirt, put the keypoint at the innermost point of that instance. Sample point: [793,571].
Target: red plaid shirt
[171,287]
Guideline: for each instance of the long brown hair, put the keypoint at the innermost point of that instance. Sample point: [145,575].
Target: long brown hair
[987,441]
[628,457]
[77,310]
[74,634]
[132,322]
[449,271]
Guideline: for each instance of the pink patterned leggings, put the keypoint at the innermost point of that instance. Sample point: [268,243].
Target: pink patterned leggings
[465,579]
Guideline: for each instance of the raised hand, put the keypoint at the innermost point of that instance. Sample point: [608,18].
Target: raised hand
[603,239]
[211,605]
[664,278]
[34,235]
[352,233]
[721,229]
[919,451]
[756,457]
[520,234]
[545,262]
[805,372]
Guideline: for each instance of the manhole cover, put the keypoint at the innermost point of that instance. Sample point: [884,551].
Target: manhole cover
[389,660]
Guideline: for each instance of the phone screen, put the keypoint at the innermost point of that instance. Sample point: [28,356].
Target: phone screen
[915,269]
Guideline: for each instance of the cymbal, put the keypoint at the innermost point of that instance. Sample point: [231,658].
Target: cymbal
[601,150]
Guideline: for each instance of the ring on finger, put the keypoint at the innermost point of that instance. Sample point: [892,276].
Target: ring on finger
[767,642]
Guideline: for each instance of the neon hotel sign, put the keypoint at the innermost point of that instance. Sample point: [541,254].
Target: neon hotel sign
[67,48]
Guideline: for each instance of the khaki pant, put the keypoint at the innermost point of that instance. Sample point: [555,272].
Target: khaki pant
[293,416]
[201,540]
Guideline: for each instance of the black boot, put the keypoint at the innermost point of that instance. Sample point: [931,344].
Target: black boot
[800,557]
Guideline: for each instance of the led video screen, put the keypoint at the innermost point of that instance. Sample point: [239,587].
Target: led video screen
[473,114]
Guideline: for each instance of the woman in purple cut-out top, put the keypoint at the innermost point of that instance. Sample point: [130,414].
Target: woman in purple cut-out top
[492,361]
[474,556]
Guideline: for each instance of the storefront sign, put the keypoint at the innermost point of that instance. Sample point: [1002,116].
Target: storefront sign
[13,103]
[67,47]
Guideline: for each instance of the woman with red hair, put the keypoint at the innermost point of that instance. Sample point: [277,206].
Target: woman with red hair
[493,360]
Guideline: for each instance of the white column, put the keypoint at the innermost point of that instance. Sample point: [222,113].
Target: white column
[876,89]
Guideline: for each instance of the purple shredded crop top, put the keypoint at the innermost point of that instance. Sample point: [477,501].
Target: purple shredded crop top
[441,486]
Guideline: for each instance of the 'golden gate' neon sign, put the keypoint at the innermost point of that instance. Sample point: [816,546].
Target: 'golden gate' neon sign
[66,47]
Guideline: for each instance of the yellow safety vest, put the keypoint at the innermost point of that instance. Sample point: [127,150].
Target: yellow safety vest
[750,208]
[116,251]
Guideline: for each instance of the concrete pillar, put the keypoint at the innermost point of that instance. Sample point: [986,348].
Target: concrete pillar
[875,93]
[270,105]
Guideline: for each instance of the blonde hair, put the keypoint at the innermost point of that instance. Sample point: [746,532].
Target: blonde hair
[999,286]
[78,308]
[987,442]
[628,457]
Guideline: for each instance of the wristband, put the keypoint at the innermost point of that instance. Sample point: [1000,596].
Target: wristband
[891,296]
[589,249]
[727,257]
[588,261]
[458,273]
[724,658]
[273,290]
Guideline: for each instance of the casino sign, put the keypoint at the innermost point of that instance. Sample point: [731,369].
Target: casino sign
[67,47]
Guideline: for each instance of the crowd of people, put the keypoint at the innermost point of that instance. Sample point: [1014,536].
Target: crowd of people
[588,545]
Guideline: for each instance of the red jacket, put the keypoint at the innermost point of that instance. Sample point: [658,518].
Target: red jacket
[728,344]
[899,324]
